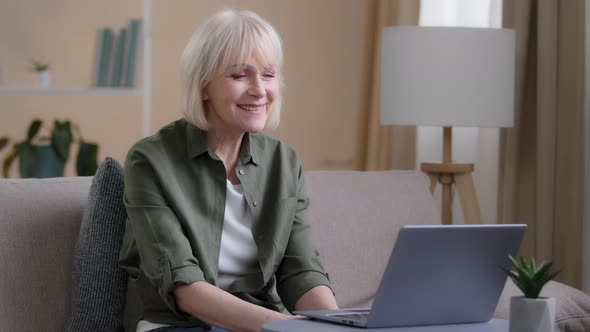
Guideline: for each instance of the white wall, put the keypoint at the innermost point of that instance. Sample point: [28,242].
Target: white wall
[323,69]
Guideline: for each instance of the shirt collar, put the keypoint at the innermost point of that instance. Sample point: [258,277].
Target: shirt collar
[196,141]
[250,150]
[197,145]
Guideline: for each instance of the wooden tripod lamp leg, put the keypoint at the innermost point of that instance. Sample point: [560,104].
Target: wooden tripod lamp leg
[447,179]
[468,198]
[447,198]
[449,174]
[433,182]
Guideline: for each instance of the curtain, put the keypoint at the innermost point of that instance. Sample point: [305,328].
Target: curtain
[542,157]
[377,147]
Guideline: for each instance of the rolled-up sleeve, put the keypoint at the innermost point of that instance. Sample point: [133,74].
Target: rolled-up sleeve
[166,256]
[300,269]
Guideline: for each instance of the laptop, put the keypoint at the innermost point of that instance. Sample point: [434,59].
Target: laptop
[438,275]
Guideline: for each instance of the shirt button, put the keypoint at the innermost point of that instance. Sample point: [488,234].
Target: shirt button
[255,203]
[241,171]
[260,237]
[162,260]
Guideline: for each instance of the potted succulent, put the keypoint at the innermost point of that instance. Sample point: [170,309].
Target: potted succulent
[531,312]
[43,73]
[42,156]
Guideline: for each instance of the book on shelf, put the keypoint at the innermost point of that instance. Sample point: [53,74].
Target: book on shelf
[103,56]
[116,69]
[118,57]
[131,53]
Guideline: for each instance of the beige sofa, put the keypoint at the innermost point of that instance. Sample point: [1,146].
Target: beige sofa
[355,215]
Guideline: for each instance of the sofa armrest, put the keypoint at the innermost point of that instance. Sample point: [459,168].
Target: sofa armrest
[39,224]
[572,312]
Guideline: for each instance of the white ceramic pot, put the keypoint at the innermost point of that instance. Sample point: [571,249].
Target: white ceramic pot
[532,315]
[44,78]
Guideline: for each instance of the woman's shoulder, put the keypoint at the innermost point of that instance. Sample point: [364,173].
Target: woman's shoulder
[270,143]
[167,139]
[271,146]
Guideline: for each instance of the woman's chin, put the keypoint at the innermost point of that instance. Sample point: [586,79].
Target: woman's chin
[255,127]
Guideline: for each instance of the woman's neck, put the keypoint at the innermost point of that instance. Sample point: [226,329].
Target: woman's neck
[227,148]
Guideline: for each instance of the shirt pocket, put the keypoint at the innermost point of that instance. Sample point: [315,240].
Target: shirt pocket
[282,223]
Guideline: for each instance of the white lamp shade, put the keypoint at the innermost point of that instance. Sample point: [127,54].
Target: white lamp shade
[446,76]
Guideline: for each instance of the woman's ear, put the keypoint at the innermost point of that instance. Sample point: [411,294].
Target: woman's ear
[204,94]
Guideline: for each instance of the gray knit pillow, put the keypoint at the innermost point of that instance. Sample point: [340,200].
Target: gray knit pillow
[98,285]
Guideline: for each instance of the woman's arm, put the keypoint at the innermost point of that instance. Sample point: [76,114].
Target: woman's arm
[317,298]
[219,308]
[302,282]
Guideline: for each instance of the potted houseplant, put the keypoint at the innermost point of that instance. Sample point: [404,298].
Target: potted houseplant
[531,312]
[45,155]
[43,73]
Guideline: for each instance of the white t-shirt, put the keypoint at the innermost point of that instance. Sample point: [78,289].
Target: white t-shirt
[238,251]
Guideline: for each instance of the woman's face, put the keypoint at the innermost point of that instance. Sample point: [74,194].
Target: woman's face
[239,100]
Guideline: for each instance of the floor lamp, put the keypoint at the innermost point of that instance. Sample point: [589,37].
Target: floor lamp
[448,77]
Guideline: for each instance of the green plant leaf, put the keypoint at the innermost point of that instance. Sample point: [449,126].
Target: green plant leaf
[27,158]
[87,160]
[543,269]
[522,271]
[39,66]
[520,286]
[62,139]
[514,262]
[8,161]
[3,142]
[526,267]
[33,129]
[529,277]
[515,277]
[548,277]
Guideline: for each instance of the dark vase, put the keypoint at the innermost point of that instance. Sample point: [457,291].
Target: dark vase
[45,164]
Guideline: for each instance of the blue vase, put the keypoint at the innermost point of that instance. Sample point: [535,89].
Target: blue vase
[48,164]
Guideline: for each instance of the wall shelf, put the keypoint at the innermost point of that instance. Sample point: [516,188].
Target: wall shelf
[144,93]
[102,92]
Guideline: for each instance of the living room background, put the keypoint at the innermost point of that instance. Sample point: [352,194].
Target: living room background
[322,68]
[324,65]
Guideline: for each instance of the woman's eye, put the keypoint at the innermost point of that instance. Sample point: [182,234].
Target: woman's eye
[237,76]
[269,75]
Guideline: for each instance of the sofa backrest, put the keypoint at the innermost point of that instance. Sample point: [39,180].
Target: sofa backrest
[39,224]
[356,217]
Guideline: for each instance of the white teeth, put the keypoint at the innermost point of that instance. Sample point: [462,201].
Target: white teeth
[251,108]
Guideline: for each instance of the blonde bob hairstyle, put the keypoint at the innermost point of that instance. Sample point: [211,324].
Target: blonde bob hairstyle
[226,39]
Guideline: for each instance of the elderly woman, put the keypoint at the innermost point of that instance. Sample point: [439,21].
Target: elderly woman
[217,231]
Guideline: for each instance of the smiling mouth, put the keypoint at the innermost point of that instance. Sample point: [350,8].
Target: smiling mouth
[252,108]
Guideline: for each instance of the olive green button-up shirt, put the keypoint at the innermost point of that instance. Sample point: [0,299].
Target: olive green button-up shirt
[175,189]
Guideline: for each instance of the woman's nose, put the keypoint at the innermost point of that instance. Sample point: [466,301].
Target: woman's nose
[257,89]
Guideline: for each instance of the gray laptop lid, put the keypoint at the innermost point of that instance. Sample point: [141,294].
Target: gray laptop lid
[445,274]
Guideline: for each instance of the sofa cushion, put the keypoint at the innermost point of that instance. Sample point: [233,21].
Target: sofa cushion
[356,217]
[98,285]
[572,310]
[39,223]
